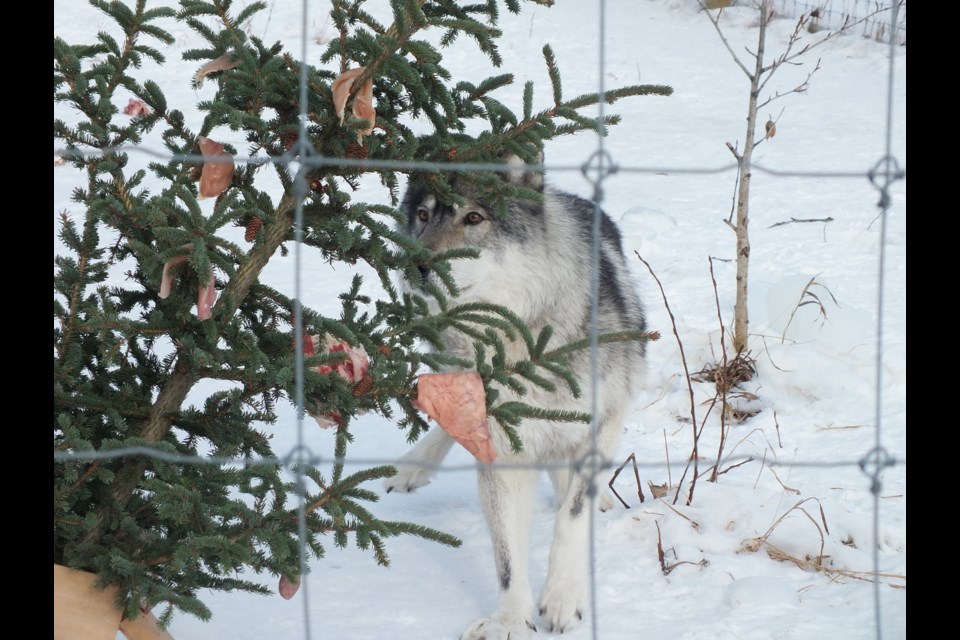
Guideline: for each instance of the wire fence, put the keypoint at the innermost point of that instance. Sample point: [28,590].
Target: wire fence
[598,168]
[832,14]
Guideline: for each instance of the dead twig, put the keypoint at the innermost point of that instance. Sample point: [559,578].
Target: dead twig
[732,467]
[756,543]
[693,523]
[721,389]
[666,450]
[839,428]
[763,464]
[636,473]
[785,487]
[792,220]
[766,350]
[742,440]
[686,372]
[662,556]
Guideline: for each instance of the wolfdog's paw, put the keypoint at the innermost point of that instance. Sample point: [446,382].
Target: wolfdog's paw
[407,479]
[562,604]
[606,501]
[500,627]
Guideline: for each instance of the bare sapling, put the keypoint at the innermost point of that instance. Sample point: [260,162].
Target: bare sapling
[759,72]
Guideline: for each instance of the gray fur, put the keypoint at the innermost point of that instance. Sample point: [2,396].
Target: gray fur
[535,261]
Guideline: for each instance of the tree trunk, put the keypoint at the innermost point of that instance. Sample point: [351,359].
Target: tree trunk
[182,380]
[741,319]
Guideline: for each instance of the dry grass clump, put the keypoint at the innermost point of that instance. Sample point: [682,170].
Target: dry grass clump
[819,562]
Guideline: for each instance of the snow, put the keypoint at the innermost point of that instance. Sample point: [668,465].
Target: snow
[816,371]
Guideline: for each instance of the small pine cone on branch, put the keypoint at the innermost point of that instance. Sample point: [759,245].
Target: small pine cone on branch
[288,138]
[253,228]
[362,387]
[356,152]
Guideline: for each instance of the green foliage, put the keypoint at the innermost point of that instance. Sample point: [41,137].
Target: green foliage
[125,358]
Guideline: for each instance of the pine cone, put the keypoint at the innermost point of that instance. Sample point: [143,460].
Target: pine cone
[253,228]
[365,384]
[383,350]
[356,152]
[288,138]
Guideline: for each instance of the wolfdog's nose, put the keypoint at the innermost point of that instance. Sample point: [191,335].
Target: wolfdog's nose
[424,272]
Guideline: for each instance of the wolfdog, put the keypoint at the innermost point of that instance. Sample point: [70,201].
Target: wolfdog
[536,261]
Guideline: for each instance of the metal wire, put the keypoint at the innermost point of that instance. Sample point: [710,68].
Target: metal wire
[599,155]
[293,457]
[878,458]
[315,161]
[601,165]
[300,190]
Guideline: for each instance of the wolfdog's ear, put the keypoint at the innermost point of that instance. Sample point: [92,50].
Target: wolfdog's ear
[520,175]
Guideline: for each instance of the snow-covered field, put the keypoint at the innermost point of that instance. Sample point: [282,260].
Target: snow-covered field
[816,382]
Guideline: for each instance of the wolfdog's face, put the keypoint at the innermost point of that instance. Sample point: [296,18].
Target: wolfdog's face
[474,223]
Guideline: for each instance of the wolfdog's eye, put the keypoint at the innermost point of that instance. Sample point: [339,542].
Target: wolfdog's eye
[474,217]
[423,214]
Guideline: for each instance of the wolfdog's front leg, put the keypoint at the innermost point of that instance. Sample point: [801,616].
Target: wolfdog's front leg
[507,500]
[416,466]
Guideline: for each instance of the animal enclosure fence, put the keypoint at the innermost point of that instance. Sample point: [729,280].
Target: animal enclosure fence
[831,14]
[890,28]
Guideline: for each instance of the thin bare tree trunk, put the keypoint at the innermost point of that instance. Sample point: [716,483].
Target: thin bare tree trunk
[741,319]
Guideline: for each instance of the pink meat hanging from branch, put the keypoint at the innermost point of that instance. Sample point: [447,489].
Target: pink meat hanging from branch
[457,402]
[362,101]
[206,294]
[217,168]
[353,369]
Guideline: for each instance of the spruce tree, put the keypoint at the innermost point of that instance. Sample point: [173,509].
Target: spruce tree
[126,356]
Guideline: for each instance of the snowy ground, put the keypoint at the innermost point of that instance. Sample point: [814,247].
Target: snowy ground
[816,387]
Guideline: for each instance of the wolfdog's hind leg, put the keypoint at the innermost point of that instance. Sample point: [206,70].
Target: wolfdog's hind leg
[564,599]
[416,467]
